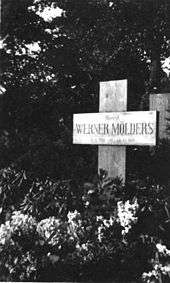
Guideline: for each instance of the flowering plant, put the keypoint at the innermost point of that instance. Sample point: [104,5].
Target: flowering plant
[160,264]
[83,230]
[127,214]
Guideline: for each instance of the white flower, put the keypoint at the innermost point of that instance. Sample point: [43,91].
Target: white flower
[99,218]
[74,223]
[111,220]
[165,269]
[148,275]
[158,269]
[5,233]
[19,222]
[100,233]
[163,249]
[85,247]
[49,229]
[126,214]
[87,203]
[22,221]
[106,223]
[72,216]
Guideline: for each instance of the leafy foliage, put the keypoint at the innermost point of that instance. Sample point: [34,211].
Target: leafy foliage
[70,231]
[151,162]
[92,41]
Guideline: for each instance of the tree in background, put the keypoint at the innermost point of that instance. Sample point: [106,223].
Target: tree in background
[90,41]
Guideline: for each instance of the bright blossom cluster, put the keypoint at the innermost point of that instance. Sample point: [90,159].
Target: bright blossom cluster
[19,223]
[22,221]
[158,267]
[5,233]
[53,230]
[158,270]
[49,229]
[103,225]
[74,223]
[127,214]
[162,249]
[148,276]
[72,216]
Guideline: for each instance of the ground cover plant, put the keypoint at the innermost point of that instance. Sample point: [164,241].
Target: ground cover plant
[72,231]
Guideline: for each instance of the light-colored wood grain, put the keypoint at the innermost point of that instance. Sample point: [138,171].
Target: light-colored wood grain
[113,97]
[161,103]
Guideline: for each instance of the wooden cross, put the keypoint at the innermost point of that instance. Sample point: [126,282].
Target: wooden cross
[114,128]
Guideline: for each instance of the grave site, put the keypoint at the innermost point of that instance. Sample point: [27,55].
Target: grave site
[115,128]
[85,141]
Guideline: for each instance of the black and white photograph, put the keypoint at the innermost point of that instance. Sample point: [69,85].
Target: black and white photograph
[85,141]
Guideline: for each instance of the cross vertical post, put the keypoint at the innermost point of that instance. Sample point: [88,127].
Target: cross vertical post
[113,98]
[114,128]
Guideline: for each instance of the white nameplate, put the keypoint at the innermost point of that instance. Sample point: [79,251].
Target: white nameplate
[117,128]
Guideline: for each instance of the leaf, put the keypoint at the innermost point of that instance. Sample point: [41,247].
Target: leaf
[160,226]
